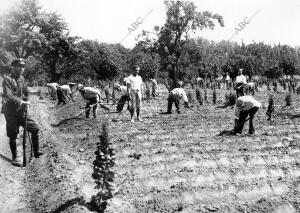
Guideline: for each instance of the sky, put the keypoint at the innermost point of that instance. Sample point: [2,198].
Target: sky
[110,21]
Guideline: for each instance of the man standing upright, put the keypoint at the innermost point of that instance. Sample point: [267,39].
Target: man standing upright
[15,103]
[134,88]
[240,83]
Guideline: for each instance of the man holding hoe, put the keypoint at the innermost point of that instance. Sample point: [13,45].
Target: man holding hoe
[14,107]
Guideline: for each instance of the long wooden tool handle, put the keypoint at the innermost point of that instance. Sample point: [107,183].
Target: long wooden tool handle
[24,138]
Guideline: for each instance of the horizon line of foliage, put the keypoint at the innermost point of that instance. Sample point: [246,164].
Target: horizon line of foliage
[43,39]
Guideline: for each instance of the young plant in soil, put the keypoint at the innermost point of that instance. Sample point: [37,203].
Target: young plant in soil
[148,91]
[270,110]
[214,97]
[199,96]
[103,171]
[288,99]
[230,99]
[190,97]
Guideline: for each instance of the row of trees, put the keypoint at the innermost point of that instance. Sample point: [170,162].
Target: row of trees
[43,39]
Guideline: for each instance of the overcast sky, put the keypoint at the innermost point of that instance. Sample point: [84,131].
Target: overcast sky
[108,21]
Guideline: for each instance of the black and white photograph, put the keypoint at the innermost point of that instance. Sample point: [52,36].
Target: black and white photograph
[148,106]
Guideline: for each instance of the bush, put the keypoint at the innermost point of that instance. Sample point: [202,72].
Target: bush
[148,91]
[298,90]
[288,99]
[103,173]
[190,97]
[270,109]
[230,99]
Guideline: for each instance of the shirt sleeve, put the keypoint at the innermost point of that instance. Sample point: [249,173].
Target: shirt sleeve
[184,96]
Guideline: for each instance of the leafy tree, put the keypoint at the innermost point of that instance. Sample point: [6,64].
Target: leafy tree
[182,19]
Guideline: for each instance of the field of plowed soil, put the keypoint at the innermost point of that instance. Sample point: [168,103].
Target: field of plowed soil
[169,163]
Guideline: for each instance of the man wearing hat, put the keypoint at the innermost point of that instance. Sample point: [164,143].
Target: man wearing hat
[92,96]
[245,105]
[15,103]
[135,91]
[240,83]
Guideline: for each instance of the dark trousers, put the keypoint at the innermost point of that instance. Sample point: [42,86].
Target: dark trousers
[88,107]
[243,116]
[122,102]
[12,129]
[172,99]
[61,96]
[239,90]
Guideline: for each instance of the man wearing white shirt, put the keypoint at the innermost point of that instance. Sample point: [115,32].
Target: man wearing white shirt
[245,105]
[240,82]
[92,96]
[174,97]
[134,89]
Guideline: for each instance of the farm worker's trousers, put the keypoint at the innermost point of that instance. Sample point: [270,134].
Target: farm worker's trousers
[61,96]
[241,121]
[173,99]
[90,102]
[239,89]
[13,123]
[136,97]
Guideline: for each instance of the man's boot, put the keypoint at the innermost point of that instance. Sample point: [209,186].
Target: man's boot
[13,147]
[35,143]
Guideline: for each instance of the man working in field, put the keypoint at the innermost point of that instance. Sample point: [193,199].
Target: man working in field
[14,106]
[123,96]
[175,96]
[52,88]
[240,83]
[135,91]
[245,105]
[64,92]
[92,96]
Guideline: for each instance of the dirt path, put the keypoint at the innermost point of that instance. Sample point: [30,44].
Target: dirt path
[12,189]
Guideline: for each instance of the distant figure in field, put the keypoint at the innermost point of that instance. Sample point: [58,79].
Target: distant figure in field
[124,96]
[135,91]
[154,87]
[240,83]
[175,97]
[227,81]
[92,96]
[245,105]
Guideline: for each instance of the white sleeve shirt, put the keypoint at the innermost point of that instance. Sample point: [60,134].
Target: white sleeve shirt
[66,88]
[180,93]
[247,102]
[90,92]
[241,79]
[135,82]
[123,90]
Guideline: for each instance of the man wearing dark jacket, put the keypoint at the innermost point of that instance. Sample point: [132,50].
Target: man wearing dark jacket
[14,103]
